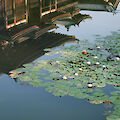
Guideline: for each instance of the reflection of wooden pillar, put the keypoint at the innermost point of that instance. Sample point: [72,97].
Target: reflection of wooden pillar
[2,15]
[2,8]
[55,4]
[5,5]
[27,10]
[50,6]
[40,8]
[34,11]
[14,9]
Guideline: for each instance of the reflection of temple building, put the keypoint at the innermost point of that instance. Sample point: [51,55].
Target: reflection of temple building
[14,57]
[30,18]
[72,20]
[16,12]
[25,38]
[98,5]
[23,19]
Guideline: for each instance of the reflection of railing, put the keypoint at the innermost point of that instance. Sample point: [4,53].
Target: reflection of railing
[116,3]
[16,12]
[16,23]
[47,12]
[57,5]
[46,9]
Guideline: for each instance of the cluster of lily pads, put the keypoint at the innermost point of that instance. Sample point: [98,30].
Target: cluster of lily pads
[80,71]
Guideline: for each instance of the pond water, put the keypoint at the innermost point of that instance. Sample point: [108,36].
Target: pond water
[27,29]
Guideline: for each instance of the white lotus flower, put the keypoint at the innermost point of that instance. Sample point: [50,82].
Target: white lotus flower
[76,74]
[80,69]
[57,61]
[88,62]
[97,63]
[104,66]
[98,47]
[95,57]
[90,85]
[117,58]
[64,78]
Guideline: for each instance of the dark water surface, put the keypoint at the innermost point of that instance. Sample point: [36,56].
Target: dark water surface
[24,102]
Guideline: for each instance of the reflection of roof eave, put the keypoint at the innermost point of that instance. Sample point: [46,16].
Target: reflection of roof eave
[17,23]
[26,52]
[58,13]
[73,21]
[34,30]
[61,22]
[67,6]
[84,18]
[25,31]
[55,16]
[44,30]
[66,15]
[96,7]
[23,34]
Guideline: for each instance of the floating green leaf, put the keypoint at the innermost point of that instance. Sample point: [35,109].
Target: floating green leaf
[103,69]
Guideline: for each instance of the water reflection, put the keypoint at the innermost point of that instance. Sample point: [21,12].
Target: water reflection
[13,57]
[24,26]
[16,12]
[24,35]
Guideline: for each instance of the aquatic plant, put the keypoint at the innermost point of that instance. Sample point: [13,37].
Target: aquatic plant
[80,71]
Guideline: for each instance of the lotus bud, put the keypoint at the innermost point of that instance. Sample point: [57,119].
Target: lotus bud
[84,52]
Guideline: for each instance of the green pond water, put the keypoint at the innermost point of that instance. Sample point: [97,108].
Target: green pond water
[69,72]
